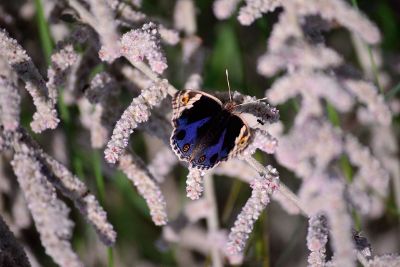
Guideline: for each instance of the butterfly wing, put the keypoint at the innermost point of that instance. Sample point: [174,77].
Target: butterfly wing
[230,138]
[185,99]
[191,111]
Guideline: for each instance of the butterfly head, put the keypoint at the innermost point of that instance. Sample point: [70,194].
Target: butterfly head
[230,106]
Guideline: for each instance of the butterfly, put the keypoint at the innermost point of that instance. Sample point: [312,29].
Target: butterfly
[206,131]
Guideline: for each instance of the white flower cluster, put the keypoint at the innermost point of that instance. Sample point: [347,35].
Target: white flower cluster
[137,112]
[139,44]
[262,188]
[21,63]
[317,239]
[146,186]
[49,213]
[194,183]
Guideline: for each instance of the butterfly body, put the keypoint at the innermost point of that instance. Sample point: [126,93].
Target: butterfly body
[206,132]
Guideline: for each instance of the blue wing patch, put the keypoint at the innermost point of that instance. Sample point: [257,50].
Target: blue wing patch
[185,135]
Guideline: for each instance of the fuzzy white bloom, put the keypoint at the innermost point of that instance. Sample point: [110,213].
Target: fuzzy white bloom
[341,12]
[126,12]
[371,182]
[198,209]
[340,223]
[113,4]
[316,144]
[286,27]
[370,169]
[20,213]
[90,208]
[185,16]
[44,118]
[136,77]
[312,87]
[194,183]
[236,168]
[384,146]
[254,9]
[194,82]
[107,30]
[9,105]
[367,94]
[91,119]
[162,164]
[135,170]
[169,36]
[136,45]
[21,63]
[131,15]
[137,112]
[309,191]
[155,93]
[58,176]
[332,10]
[365,203]
[194,237]
[325,193]
[49,213]
[298,55]
[61,63]
[317,238]
[191,45]
[72,187]
[101,87]
[262,188]
[288,206]
[364,55]
[261,140]
[98,111]
[390,260]
[223,9]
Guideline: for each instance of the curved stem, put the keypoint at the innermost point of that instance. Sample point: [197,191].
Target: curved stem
[282,187]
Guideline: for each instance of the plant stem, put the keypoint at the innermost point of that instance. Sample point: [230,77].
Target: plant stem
[212,219]
[374,69]
[290,196]
[371,57]
[110,257]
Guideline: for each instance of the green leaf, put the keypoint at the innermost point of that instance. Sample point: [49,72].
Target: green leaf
[393,92]
[96,163]
[333,115]
[225,55]
[44,32]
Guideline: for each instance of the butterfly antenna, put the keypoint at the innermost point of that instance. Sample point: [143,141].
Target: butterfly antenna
[229,87]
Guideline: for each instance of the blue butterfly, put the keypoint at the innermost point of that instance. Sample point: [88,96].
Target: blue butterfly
[206,132]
